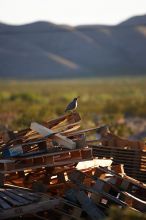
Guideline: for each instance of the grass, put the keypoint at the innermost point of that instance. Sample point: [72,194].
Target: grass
[101,100]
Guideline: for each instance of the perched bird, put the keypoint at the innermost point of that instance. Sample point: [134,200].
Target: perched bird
[72,105]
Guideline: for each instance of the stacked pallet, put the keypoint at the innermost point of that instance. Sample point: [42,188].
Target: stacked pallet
[46,145]
[122,151]
[57,159]
[88,195]
[134,160]
[93,191]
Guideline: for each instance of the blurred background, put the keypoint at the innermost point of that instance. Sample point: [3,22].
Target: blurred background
[52,51]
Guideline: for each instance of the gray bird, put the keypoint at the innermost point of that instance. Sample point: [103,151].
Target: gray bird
[72,105]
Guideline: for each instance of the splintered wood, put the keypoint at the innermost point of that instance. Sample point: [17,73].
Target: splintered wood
[73,174]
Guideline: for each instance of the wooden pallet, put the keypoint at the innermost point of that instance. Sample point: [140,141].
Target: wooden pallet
[134,160]
[62,123]
[105,193]
[52,179]
[16,202]
[122,181]
[45,160]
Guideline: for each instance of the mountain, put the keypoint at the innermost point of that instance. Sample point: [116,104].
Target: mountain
[136,20]
[46,50]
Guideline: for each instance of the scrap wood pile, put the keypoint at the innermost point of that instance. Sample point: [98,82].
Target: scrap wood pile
[43,149]
[89,195]
[46,158]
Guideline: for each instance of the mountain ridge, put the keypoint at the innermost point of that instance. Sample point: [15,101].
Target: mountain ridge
[47,50]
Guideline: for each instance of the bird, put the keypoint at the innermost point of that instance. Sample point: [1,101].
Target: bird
[72,105]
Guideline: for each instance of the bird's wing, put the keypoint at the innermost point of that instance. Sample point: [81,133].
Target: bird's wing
[70,106]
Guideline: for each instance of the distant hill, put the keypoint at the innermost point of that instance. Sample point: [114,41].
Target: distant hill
[136,20]
[46,50]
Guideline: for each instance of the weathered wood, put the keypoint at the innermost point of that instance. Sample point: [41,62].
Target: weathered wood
[123,182]
[134,160]
[4,204]
[15,205]
[45,160]
[11,201]
[60,139]
[134,202]
[13,194]
[105,193]
[2,179]
[69,118]
[31,197]
[82,131]
[68,209]
[89,206]
[110,139]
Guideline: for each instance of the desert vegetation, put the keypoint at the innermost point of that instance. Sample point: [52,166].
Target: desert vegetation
[107,100]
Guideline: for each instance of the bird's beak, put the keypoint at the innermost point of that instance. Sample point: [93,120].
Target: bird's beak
[78,97]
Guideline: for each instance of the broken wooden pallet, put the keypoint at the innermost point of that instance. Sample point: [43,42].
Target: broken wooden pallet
[106,192]
[134,160]
[67,120]
[16,202]
[45,160]
[122,181]
[54,179]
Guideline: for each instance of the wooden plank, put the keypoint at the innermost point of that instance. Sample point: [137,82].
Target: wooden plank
[134,202]
[49,154]
[10,200]
[112,149]
[27,195]
[45,203]
[82,131]
[4,204]
[15,196]
[67,128]
[133,181]
[68,118]
[69,210]
[49,160]
[89,206]
[60,139]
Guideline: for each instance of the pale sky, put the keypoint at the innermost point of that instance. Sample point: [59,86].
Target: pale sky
[72,12]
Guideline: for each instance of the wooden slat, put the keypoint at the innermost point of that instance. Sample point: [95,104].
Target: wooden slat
[10,200]
[16,196]
[44,203]
[26,195]
[60,139]
[4,204]
[82,131]
[47,160]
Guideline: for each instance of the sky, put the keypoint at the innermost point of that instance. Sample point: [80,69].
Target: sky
[71,12]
